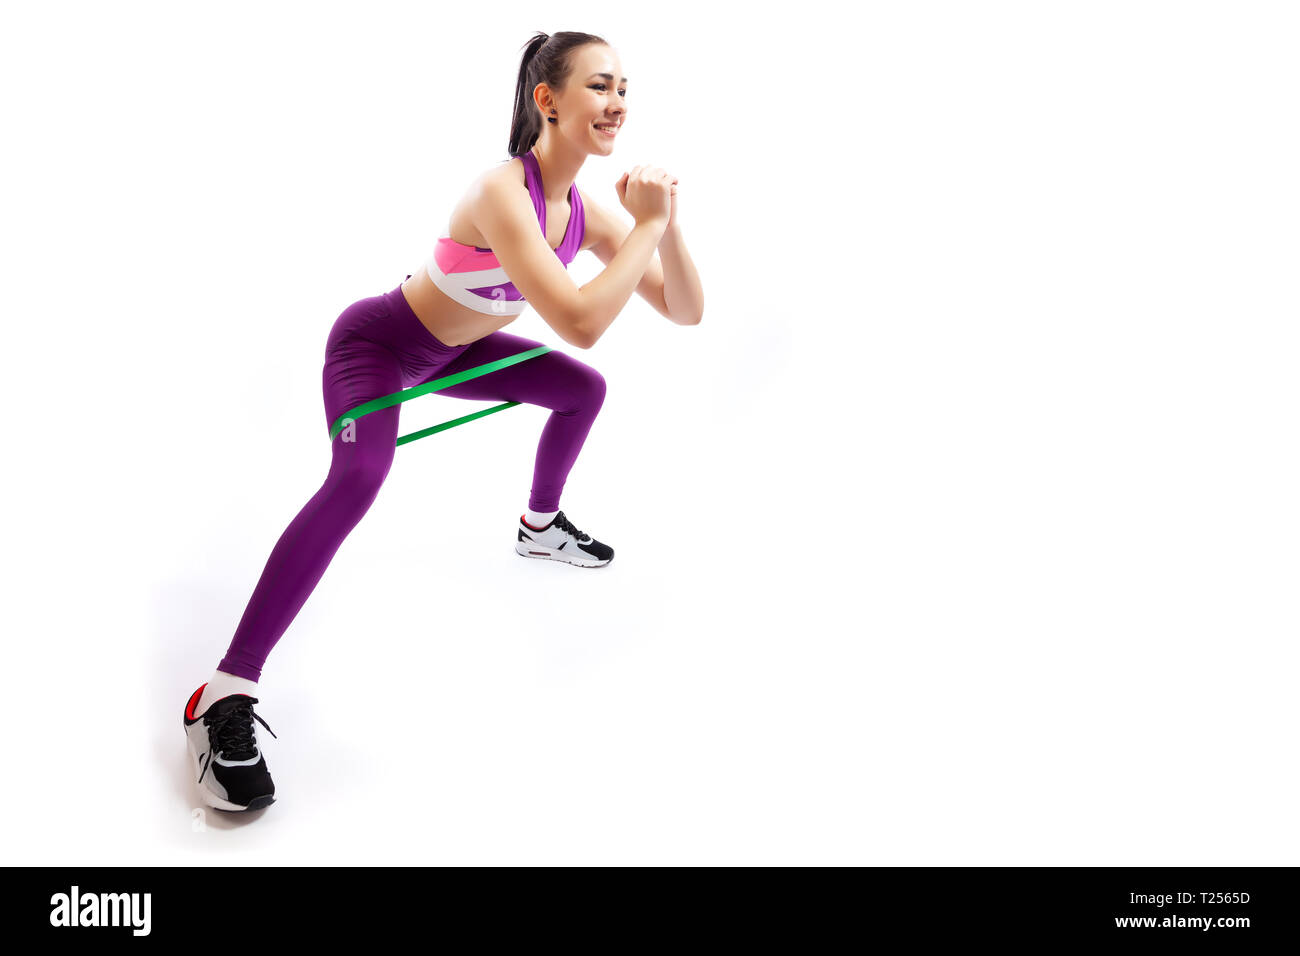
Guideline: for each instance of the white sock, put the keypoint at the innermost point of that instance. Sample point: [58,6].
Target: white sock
[223,685]
[540,519]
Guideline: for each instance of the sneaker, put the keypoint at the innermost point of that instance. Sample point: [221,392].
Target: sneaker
[561,541]
[229,768]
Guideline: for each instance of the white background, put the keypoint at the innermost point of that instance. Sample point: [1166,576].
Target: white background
[963,530]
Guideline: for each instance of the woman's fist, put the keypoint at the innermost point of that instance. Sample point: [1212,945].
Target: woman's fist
[646,192]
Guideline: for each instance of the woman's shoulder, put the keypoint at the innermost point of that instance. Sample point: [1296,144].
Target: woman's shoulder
[467,209]
[508,170]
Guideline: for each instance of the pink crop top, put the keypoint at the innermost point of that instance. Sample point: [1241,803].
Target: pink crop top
[472,275]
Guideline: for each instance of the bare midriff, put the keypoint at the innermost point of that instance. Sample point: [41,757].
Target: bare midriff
[450,322]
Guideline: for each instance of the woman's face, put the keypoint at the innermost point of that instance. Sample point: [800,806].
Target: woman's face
[595,96]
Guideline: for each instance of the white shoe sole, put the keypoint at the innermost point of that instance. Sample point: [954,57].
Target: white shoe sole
[206,795]
[579,560]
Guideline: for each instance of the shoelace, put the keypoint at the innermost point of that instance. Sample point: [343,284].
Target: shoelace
[564,524]
[231,734]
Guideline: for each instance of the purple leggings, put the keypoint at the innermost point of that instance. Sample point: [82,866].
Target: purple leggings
[376,347]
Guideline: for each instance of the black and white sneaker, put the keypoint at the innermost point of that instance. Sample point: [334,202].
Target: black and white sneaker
[228,766]
[561,541]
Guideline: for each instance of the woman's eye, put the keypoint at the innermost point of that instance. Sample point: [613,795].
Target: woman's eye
[601,87]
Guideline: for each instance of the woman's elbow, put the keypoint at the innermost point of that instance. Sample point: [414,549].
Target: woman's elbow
[579,337]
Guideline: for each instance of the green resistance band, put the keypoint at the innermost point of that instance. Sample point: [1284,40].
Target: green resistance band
[396,398]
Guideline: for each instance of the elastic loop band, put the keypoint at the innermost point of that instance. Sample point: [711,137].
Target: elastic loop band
[396,398]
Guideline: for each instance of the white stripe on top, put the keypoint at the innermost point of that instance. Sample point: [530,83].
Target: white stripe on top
[458,284]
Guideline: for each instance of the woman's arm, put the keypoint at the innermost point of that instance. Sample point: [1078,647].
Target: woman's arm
[611,233]
[625,267]
[683,294]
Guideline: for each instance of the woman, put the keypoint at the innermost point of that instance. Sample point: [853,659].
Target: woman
[510,240]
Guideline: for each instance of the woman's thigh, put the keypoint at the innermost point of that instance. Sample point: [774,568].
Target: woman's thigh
[553,380]
[355,372]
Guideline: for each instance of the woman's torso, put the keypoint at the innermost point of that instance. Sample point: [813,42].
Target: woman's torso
[449,321]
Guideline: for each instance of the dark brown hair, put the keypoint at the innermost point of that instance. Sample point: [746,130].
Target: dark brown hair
[546,60]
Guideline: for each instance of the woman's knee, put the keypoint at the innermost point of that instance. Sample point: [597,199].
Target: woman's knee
[590,389]
[358,473]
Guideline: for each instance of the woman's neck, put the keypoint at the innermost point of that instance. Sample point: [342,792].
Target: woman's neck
[558,170]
